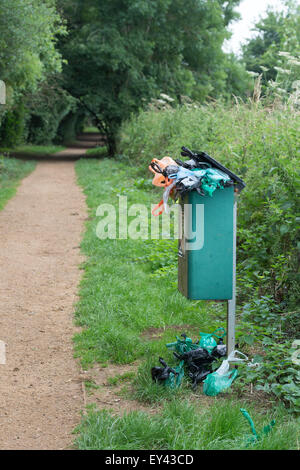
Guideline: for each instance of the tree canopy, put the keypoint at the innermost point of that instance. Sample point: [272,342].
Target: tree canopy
[124,52]
[63,59]
[28,32]
[277,32]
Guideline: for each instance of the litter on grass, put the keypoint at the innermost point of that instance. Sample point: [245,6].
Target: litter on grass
[255,436]
[168,376]
[197,359]
[223,377]
[194,358]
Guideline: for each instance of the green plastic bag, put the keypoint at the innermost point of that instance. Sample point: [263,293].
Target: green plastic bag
[182,345]
[174,381]
[255,436]
[219,380]
[208,341]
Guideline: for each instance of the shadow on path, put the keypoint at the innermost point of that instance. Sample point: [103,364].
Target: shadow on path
[73,152]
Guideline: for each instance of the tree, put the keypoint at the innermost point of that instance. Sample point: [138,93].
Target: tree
[276,33]
[121,53]
[28,31]
[28,56]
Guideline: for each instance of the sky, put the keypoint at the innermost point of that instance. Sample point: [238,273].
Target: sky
[250,11]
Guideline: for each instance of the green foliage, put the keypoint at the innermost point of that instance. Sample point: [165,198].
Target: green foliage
[124,52]
[262,148]
[13,127]
[28,31]
[238,81]
[47,108]
[277,32]
[265,326]
[71,125]
[276,373]
[28,57]
[39,150]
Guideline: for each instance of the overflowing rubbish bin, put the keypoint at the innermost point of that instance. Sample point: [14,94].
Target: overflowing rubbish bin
[206,192]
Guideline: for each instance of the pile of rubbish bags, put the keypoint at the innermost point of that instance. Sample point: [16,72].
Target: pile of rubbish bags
[180,177]
[196,360]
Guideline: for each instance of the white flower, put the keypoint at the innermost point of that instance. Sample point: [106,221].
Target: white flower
[253,74]
[279,69]
[294,62]
[284,54]
[264,69]
[296,84]
[167,97]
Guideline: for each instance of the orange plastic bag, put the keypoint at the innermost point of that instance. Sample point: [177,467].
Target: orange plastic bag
[157,167]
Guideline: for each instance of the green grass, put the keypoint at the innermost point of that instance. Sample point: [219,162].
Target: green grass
[129,310]
[91,129]
[11,172]
[97,151]
[34,149]
[181,425]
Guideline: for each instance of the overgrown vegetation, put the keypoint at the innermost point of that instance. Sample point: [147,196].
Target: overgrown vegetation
[261,145]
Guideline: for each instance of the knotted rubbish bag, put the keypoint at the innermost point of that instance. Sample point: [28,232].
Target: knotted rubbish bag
[182,345]
[217,382]
[199,362]
[168,376]
[223,377]
[208,341]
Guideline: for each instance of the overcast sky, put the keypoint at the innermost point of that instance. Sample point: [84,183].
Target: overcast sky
[250,11]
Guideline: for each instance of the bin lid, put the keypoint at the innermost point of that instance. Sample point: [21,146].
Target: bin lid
[239,183]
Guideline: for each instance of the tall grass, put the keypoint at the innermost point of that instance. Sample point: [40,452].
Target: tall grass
[185,426]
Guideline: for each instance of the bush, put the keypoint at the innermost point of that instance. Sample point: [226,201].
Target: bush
[13,127]
[46,109]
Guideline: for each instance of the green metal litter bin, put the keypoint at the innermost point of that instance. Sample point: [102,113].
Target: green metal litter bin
[207,242]
[205,255]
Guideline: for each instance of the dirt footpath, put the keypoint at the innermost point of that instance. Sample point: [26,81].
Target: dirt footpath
[40,385]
